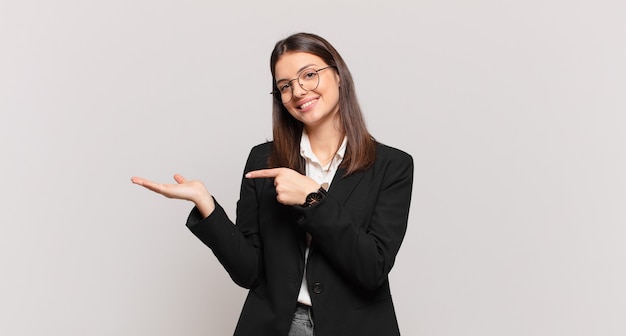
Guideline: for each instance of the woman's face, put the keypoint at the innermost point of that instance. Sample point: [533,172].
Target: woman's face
[313,106]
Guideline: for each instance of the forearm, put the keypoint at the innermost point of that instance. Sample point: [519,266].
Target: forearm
[205,204]
[361,235]
[361,255]
[237,252]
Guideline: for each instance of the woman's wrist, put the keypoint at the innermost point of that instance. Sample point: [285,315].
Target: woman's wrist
[205,204]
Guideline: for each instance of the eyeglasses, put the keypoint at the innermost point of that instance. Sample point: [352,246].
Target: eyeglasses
[308,79]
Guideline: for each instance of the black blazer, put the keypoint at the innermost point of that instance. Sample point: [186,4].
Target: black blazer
[357,231]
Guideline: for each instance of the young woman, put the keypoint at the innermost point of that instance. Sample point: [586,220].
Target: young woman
[322,212]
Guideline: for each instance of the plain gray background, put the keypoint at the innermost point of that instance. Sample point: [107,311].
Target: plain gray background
[512,110]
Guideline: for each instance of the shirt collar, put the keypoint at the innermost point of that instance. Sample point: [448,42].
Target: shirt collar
[307,153]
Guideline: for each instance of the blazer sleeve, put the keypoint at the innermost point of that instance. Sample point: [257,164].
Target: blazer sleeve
[237,247]
[362,234]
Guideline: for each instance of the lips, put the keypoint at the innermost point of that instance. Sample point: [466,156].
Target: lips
[309,103]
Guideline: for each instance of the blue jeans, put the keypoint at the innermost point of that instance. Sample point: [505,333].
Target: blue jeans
[302,323]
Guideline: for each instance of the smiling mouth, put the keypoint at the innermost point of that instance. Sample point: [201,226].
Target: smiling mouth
[307,104]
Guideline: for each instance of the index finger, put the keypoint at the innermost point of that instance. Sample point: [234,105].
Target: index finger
[262,173]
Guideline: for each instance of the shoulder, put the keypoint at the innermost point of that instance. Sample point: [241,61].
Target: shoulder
[386,153]
[392,162]
[393,165]
[263,149]
[259,154]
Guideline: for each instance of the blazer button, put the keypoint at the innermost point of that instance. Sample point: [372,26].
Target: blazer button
[317,288]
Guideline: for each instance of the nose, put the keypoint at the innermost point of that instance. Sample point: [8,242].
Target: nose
[298,90]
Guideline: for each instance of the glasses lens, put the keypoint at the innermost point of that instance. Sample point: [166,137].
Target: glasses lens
[309,79]
[285,90]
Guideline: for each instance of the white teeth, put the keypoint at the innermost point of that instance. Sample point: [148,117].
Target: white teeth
[307,104]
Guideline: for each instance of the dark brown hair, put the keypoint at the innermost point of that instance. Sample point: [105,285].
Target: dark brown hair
[361,147]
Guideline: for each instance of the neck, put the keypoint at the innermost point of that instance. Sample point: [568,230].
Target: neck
[325,143]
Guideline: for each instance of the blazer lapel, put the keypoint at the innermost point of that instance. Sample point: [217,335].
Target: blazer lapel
[342,187]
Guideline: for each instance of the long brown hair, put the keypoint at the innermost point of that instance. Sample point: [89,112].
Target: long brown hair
[361,148]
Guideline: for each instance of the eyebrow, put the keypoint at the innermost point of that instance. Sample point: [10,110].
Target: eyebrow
[299,71]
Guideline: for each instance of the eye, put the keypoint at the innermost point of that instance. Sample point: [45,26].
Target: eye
[308,74]
[283,87]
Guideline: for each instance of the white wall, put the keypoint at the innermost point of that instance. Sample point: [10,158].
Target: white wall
[513,111]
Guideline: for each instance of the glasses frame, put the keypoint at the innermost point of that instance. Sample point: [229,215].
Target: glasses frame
[278,95]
